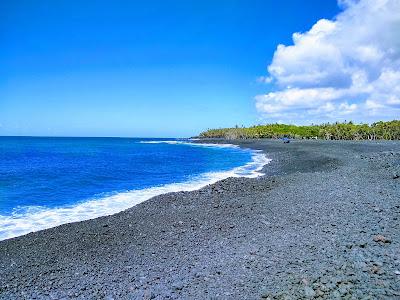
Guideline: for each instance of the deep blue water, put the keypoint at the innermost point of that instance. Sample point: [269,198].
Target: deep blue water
[59,171]
[48,173]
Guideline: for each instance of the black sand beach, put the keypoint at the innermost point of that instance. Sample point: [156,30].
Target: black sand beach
[324,222]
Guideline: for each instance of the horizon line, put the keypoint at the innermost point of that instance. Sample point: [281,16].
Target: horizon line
[71,136]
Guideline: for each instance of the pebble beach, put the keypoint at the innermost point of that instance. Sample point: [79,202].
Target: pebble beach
[322,223]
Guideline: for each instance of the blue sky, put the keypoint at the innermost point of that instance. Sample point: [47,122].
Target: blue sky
[142,68]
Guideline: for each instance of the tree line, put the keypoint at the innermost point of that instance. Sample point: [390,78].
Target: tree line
[329,131]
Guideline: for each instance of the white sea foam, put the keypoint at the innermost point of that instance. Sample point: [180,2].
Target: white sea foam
[190,143]
[30,219]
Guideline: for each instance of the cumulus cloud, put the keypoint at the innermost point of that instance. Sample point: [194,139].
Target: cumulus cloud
[348,67]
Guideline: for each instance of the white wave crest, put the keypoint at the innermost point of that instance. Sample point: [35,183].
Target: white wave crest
[189,143]
[34,218]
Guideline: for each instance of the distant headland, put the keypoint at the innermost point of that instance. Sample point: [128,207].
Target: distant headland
[329,131]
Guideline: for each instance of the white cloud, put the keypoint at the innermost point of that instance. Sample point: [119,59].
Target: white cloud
[295,98]
[372,105]
[345,67]
[264,79]
[345,108]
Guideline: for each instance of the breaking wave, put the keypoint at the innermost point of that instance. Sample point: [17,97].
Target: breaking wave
[33,218]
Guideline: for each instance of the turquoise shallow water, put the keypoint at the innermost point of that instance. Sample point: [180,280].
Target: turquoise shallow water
[49,181]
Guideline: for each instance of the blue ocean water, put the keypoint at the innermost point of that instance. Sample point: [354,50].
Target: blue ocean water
[49,181]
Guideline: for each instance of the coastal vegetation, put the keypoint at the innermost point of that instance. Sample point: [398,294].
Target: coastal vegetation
[329,131]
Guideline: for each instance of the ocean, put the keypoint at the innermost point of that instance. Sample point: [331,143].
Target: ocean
[47,181]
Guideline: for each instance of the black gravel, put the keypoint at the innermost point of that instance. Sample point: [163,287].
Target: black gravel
[323,223]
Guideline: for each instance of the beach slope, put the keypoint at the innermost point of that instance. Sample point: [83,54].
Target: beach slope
[323,222]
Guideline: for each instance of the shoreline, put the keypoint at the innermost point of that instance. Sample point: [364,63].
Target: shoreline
[120,201]
[307,228]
